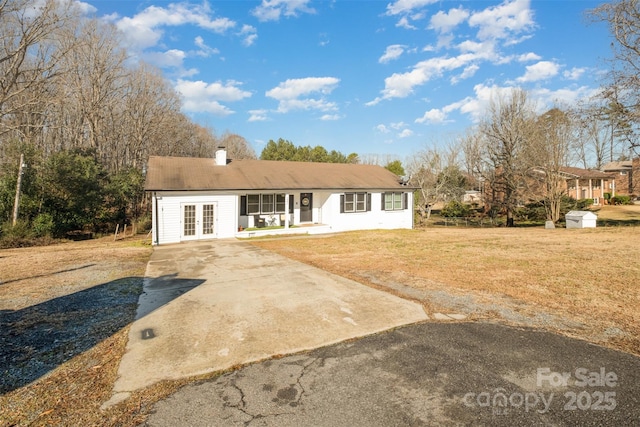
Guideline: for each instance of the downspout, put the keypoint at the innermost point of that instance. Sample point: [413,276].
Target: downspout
[156,225]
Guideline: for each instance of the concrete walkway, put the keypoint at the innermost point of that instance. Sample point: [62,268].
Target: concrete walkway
[208,306]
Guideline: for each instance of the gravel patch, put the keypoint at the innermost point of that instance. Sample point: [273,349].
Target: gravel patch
[476,306]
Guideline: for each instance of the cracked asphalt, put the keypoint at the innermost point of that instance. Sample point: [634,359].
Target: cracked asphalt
[429,374]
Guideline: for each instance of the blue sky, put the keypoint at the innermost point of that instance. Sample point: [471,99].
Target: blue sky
[371,77]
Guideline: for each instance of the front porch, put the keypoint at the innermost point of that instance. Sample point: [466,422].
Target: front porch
[282,231]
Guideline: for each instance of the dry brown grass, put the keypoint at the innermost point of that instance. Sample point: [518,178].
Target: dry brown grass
[618,213]
[72,393]
[590,276]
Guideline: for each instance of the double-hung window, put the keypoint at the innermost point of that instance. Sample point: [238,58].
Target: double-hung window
[268,203]
[394,201]
[253,204]
[281,207]
[355,202]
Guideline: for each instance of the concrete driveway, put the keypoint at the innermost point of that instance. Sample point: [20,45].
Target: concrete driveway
[208,306]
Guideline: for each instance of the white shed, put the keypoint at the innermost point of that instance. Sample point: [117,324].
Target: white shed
[581,219]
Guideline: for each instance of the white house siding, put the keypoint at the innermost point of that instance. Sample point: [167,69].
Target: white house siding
[326,210]
[376,218]
[167,228]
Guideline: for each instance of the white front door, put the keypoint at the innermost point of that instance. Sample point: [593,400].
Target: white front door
[198,221]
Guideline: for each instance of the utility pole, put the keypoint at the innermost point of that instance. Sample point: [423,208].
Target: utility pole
[16,203]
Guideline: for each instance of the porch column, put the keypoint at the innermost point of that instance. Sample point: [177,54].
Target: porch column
[590,189]
[602,189]
[613,187]
[577,188]
[286,209]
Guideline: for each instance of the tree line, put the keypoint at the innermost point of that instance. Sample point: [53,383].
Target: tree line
[85,115]
[514,155]
[287,150]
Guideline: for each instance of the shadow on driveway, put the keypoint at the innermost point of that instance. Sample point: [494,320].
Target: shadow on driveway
[37,339]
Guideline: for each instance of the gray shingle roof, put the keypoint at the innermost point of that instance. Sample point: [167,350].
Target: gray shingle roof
[187,173]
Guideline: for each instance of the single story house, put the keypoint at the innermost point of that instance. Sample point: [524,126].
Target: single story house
[206,198]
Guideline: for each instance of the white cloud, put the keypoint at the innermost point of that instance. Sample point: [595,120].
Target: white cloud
[294,88]
[444,22]
[257,115]
[204,50]
[206,106]
[405,133]
[172,58]
[404,23]
[249,33]
[472,106]
[546,98]
[530,56]
[85,8]
[504,20]
[271,10]
[400,85]
[144,29]
[539,71]
[330,117]
[287,105]
[406,6]
[392,52]
[476,106]
[409,11]
[432,116]
[199,96]
[401,127]
[294,94]
[574,74]
[487,48]
[467,73]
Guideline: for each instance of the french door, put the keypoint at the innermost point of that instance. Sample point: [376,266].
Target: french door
[198,221]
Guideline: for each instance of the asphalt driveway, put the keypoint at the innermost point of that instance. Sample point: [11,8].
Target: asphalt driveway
[209,306]
[429,374]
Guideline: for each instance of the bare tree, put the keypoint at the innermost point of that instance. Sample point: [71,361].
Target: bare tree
[148,106]
[29,58]
[594,136]
[95,81]
[623,91]
[507,130]
[548,153]
[237,147]
[437,174]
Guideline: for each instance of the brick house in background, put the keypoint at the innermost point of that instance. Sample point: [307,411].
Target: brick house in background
[588,183]
[627,174]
